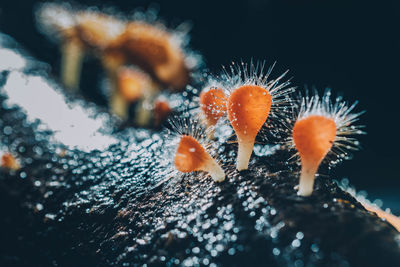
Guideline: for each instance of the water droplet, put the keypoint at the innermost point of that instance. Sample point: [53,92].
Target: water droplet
[7,130]
[299,235]
[276,251]
[296,243]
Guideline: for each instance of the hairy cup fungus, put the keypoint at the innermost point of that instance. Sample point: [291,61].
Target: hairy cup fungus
[322,127]
[77,31]
[132,85]
[191,149]
[10,162]
[213,105]
[116,42]
[157,51]
[251,100]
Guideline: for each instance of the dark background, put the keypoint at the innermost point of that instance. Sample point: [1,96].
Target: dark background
[350,46]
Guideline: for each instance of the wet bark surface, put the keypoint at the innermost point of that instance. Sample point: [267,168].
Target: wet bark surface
[124,205]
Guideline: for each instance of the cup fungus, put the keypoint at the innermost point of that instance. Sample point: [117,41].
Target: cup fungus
[248,109]
[190,146]
[191,156]
[156,50]
[251,100]
[213,105]
[116,41]
[322,127]
[98,30]
[132,85]
[77,32]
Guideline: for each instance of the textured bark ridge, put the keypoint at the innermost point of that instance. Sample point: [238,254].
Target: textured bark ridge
[71,207]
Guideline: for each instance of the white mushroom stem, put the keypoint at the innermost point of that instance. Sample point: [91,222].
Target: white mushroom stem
[307,178]
[144,112]
[244,153]
[145,108]
[214,169]
[71,64]
[118,104]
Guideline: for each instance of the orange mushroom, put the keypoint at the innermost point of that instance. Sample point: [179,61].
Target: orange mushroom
[248,109]
[116,42]
[191,156]
[132,85]
[98,30]
[322,127]
[313,137]
[155,50]
[213,105]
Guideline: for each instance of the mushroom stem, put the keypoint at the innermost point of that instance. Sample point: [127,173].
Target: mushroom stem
[118,105]
[144,112]
[214,169]
[244,153]
[307,178]
[392,219]
[71,64]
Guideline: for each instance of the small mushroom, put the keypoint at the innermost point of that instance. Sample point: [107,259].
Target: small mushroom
[191,156]
[132,85]
[213,106]
[322,127]
[253,98]
[248,109]
[157,51]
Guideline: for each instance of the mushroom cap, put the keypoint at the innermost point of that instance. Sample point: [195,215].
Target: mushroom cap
[248,109]
[132,83]
[313,137]
[154,50]
[213,104]
[190,155]
[97,29]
